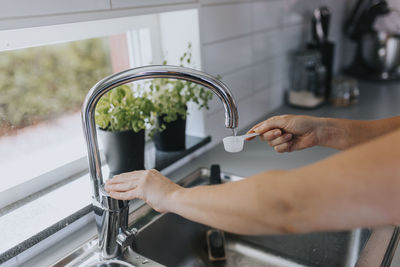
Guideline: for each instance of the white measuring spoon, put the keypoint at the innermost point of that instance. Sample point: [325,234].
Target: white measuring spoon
[234,144]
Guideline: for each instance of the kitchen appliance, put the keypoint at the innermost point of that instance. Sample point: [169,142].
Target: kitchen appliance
[320,23]
[381,53]
[312,68]
[363,16]
[308,80]
[377,54]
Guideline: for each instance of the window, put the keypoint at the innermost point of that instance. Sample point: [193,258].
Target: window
[45,74]
[42,90]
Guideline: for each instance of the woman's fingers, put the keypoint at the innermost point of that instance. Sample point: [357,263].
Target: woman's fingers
[255,126]
[250,138]
[285,147]
[271,127]
[281,143]
[277,122]
[280,140]
[148,185]
[271,135]
[120,186]
[124,182]
[123,177]
[128,195]
[267,136]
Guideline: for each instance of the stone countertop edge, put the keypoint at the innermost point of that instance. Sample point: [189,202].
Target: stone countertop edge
[163,160]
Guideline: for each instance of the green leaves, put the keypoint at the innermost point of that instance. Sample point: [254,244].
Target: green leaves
[124,108]
[170,97]
[120,110]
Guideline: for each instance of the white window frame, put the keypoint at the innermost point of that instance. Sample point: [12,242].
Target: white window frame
[46,35]
[33,37]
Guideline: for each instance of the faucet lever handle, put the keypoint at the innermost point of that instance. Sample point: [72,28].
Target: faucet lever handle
[126,237]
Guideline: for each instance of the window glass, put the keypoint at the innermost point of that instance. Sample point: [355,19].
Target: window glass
[42,90]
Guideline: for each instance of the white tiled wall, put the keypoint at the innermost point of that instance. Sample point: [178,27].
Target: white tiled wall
[249,43]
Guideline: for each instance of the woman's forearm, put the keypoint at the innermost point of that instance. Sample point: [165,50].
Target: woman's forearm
[358,187]
[355,188]
[343,134]
[250,206]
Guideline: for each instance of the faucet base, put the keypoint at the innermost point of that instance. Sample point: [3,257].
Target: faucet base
[89,256]
[112,223]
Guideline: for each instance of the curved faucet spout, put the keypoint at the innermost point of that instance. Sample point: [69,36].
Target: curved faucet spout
[112,215]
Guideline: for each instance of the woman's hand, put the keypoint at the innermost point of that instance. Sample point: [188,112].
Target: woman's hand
[149,185]
[288,133]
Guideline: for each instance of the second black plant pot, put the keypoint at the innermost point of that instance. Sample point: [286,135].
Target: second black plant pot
[124,150]
[173,138]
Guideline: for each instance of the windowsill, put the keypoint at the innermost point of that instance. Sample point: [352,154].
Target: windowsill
[36,220]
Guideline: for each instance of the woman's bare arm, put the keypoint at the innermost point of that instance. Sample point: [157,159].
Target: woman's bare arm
[343,133]
[355,188]
[288,133]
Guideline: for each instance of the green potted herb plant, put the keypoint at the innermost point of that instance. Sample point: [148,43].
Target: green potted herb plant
[170,98]
[121,116]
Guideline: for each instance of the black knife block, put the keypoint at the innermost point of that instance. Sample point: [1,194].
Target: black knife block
[327,51]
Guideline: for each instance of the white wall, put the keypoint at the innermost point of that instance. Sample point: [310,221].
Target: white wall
[177,29]
[249,43]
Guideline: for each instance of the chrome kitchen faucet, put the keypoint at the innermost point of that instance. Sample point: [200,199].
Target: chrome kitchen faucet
[112,215]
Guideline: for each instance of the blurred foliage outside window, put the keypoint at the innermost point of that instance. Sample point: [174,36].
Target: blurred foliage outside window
[42,83]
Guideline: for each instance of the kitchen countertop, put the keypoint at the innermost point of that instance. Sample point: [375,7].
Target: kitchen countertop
[376,101]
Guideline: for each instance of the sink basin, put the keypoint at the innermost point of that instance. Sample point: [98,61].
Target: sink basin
[174,241]
[171,240]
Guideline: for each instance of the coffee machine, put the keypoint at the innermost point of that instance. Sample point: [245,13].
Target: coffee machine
[377,55]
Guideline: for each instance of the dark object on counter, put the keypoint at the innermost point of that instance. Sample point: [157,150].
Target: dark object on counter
[363,16]
[124,150]
[215,174]
[173,137]
[381,53]
[216,245]
[327,51]
[313,68]
[377,56]
[308,80]
[320,23]
[345,91]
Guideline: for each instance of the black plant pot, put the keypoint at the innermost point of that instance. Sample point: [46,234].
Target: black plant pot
[173,138]
[124,150]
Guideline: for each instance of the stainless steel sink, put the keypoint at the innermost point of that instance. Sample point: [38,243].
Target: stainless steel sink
[174,241]
[171,240]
